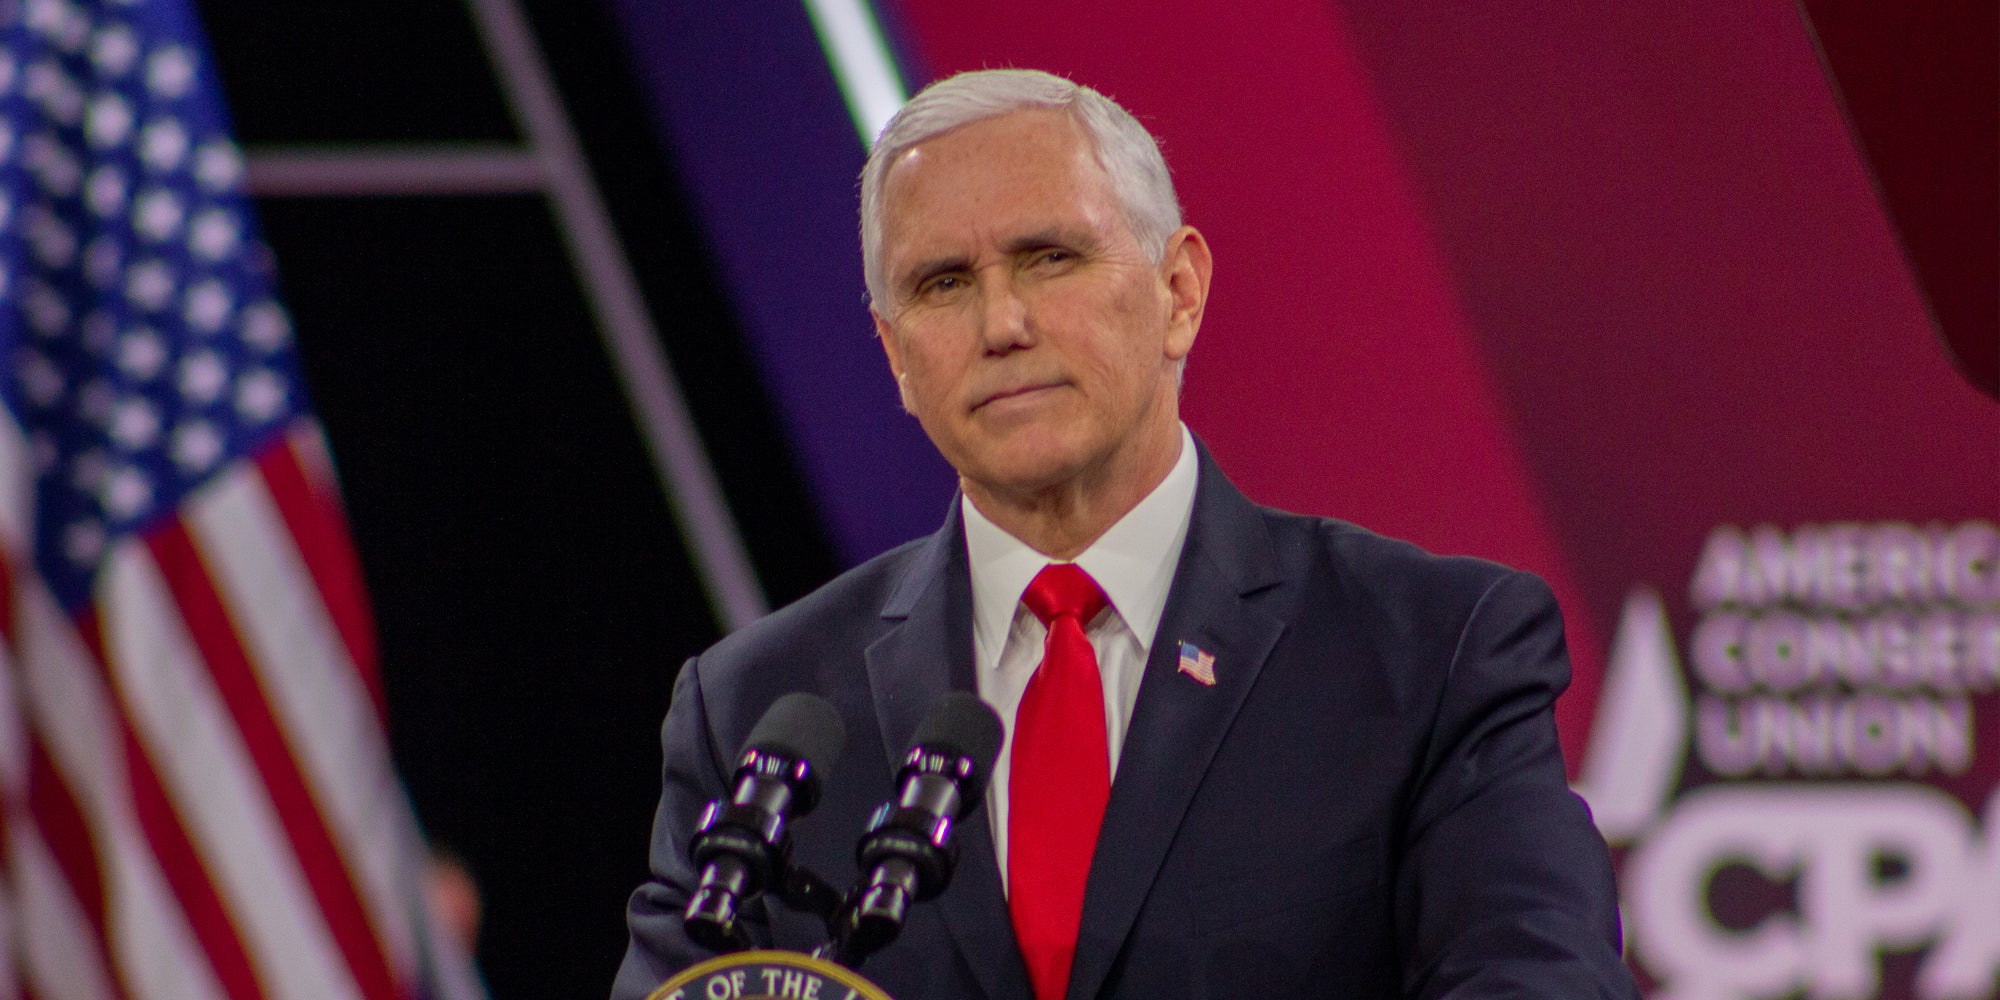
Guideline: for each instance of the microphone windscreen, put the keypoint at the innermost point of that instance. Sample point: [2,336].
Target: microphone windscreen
[801,725]
[960,723]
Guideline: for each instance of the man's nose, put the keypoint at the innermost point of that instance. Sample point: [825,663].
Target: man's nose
[1003,315]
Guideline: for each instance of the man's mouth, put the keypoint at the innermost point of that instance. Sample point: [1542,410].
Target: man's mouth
[1016,392]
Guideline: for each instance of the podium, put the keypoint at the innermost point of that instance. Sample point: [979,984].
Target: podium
[757,975]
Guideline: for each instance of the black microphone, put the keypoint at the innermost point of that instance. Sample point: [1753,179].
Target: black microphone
[908,853]
[743,846]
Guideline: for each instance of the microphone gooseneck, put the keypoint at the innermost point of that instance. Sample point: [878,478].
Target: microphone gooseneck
[908,854]
[742,846]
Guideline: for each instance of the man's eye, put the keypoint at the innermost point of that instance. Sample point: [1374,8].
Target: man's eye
[941,284]
[1053,257]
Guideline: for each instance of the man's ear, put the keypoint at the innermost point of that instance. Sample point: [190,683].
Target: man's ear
[1187,266]
[887,335]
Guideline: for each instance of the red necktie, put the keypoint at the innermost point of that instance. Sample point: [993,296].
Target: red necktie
[1061,777]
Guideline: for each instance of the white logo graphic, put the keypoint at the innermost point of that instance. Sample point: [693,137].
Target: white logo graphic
[1827,661]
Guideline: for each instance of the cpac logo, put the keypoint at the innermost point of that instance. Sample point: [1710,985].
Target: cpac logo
[1831,840]
[1862,867]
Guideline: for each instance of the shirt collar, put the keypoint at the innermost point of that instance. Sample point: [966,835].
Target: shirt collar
[1133,560]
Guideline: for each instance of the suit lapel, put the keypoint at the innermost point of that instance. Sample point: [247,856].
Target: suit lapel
[1177,722]
[927,653]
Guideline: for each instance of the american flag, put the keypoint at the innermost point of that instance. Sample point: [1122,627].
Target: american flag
[1198,663]
[196,798]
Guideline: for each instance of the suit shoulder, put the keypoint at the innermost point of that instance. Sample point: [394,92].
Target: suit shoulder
[1388,567]
[1381,557]
[1417,615]
[838,612]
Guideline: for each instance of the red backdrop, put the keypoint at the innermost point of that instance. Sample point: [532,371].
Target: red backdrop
[1578,287]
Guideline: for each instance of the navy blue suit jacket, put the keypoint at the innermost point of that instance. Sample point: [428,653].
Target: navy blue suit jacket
[1369,802]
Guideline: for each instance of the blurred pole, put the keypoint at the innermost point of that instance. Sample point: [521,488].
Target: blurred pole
[714,543]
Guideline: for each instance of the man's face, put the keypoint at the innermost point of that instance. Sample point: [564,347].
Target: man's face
[1028,331]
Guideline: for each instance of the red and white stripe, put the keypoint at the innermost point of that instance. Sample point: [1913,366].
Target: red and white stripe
[198,796]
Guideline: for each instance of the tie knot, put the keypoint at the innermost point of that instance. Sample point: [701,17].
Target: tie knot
[1064,590]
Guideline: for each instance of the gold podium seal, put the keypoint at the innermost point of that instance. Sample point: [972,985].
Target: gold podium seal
[767,975]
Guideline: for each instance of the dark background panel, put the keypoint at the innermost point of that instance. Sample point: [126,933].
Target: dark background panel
[746,98]
[1920,84]
[533,597]
[645,189]
[369,71]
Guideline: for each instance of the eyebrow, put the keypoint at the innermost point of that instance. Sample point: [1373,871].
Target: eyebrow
[1052,236]
[1077,238]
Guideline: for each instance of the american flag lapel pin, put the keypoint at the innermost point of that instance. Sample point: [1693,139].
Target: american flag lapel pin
[1198,663]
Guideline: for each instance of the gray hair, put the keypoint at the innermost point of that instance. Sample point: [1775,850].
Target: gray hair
[1127,152]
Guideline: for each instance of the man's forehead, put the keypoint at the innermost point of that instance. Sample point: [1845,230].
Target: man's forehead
[1030,168]
[1032,144]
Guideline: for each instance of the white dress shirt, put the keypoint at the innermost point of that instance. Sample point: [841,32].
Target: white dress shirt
[1133,561]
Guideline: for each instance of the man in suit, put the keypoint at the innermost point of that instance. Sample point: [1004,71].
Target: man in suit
[1250,754]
